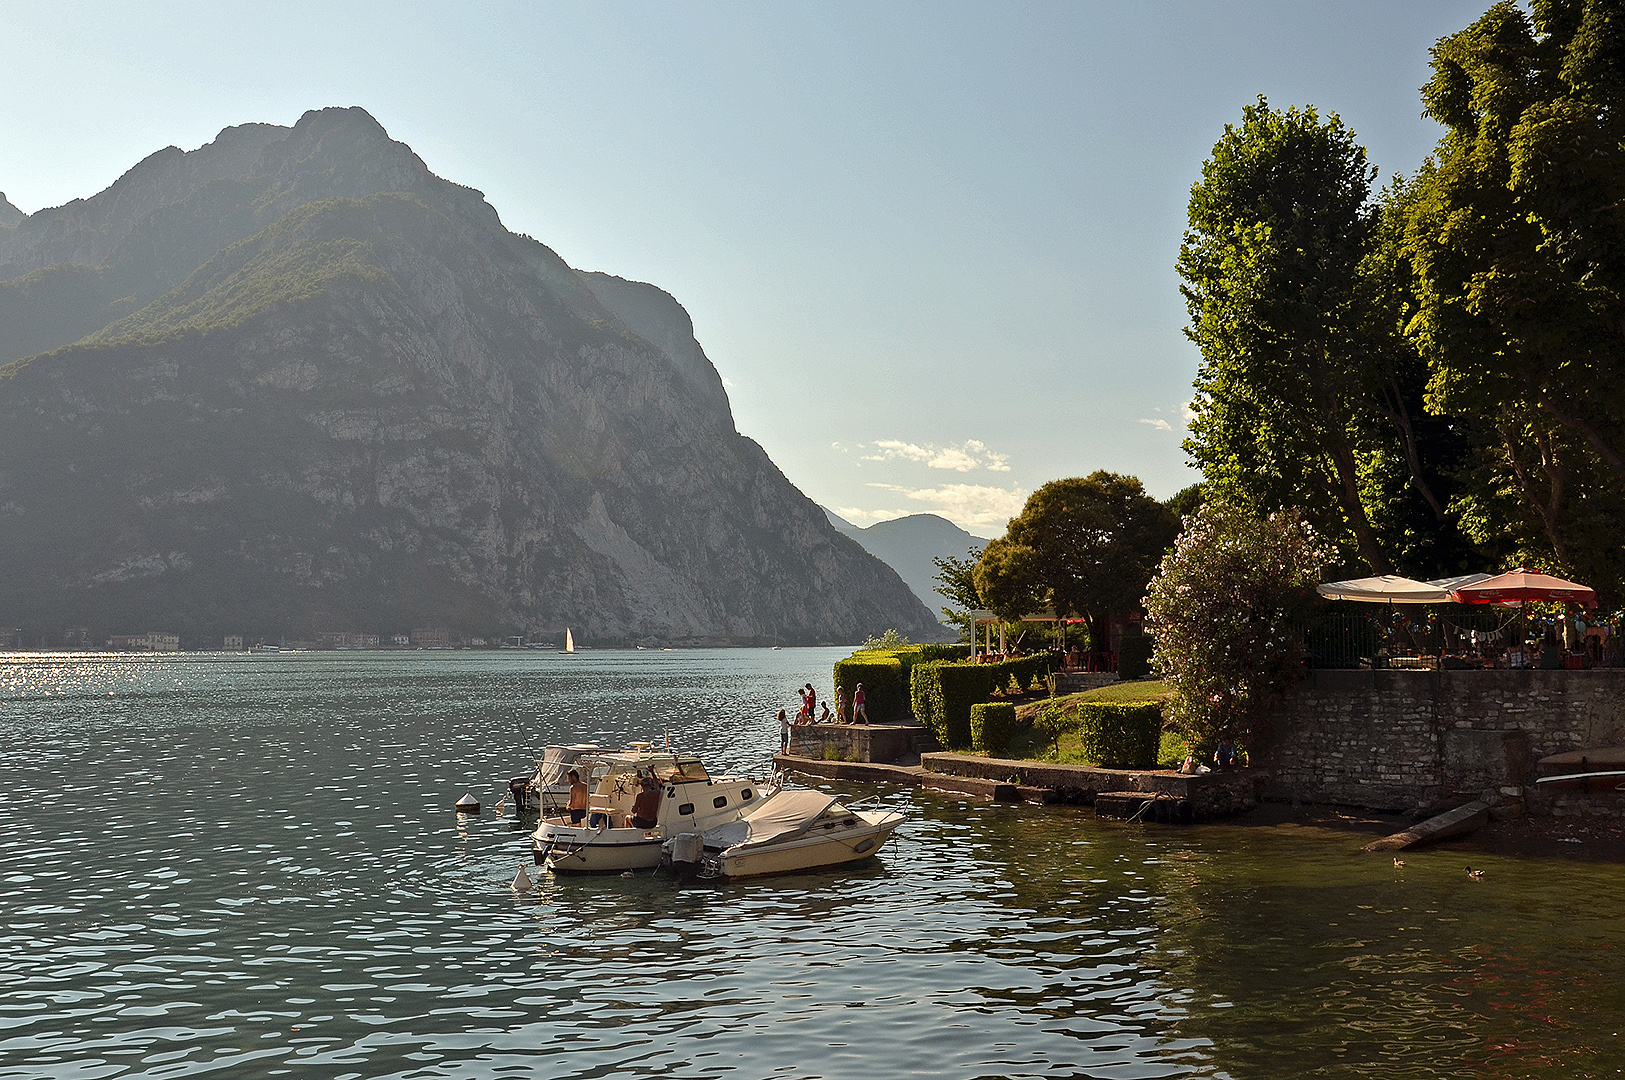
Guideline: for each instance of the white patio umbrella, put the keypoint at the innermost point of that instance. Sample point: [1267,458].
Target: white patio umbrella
[1385,589]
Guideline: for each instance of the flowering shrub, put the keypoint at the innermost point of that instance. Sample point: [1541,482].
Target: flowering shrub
[1227,609]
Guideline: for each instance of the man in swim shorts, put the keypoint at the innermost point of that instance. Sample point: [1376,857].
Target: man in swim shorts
[578,798]
[646,807]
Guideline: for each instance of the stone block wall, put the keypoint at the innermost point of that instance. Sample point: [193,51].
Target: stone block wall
[856,742]
[1395,739]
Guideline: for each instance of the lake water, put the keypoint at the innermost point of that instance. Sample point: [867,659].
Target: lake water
[249,866]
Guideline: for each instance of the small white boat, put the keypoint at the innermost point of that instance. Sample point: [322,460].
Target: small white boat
[569,640]
[795,830]
[691,801]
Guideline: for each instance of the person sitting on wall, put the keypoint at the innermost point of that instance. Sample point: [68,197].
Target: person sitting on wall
[646,807]
[826,718]
[1224,756]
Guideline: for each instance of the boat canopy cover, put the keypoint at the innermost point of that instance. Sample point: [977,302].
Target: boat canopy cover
[779,816]
[557,760]
[1385,589]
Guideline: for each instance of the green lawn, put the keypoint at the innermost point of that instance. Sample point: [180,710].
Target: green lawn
[1029,744]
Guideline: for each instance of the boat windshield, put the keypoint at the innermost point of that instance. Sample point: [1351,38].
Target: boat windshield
[683,770]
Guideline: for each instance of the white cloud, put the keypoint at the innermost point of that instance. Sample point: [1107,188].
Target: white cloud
[1160,425]
[861,517]
[971,455]
[970,506]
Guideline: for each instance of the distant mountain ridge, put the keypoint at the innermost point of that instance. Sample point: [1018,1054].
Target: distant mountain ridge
[909,544]
[292,381]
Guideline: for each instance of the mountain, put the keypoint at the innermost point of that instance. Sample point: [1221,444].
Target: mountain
[292,381]
[908,544]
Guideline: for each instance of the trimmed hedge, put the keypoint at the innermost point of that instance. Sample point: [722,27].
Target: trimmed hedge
[991,725]
[942,693]
[885,686]
[1114,734]
[891,705]
[1134,657]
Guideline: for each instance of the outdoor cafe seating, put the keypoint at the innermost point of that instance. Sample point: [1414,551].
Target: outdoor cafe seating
[1477,621]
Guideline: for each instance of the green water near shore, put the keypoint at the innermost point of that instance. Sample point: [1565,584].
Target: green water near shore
[248,866]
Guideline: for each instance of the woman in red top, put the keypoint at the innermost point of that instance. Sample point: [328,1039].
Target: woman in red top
[858,699]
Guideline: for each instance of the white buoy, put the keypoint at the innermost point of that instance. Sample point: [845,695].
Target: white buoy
[521,881]
[468,804]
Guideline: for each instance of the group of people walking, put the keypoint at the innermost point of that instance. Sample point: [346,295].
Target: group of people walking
[808,713]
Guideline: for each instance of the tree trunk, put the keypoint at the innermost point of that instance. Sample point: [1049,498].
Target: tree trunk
[1547,511]
[1347,488]
[1609,455]
[1400,416]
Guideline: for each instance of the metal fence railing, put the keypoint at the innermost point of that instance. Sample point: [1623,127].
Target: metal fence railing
[1411,637]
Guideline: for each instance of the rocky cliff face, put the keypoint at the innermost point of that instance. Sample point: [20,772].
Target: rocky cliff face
[292,381]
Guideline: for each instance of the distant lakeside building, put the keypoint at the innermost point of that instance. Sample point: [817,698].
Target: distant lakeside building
[431,638]
[153,641]
[345,639]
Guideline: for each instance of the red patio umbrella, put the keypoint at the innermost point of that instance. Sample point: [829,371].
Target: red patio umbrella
[1522,584]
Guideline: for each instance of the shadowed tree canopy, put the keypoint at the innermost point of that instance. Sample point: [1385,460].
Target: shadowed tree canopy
[1086,545]
[1516,232]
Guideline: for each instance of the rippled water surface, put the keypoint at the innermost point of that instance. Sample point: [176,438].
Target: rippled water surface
[249,866]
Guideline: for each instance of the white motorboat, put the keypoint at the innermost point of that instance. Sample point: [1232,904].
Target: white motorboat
[794,830]
[691,801]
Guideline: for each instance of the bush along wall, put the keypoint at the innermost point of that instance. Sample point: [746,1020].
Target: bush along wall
[846,674]
[1114,734]
[885,687]
[942,693]
[992,723]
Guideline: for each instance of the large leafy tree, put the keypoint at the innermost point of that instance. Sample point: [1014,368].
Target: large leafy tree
[1086,545]
[1227,610]
[1516,231]
[1279,226]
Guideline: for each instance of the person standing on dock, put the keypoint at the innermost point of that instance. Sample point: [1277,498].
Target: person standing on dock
[812,703]
[784,732]
[859,702]
[840,704]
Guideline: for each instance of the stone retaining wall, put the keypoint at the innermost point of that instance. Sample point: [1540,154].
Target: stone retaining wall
[1395,740]
[1210,795]
[859,742]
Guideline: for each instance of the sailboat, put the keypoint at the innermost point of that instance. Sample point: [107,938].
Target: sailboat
[569,641]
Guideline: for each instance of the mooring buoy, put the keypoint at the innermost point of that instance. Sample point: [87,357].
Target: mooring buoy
[521,881]
[468,804]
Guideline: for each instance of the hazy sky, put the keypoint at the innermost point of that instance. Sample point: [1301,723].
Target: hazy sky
[930,247]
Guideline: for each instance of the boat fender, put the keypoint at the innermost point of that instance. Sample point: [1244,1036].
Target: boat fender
[864,845]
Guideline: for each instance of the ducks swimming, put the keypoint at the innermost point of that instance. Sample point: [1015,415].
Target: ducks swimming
[1476,875]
